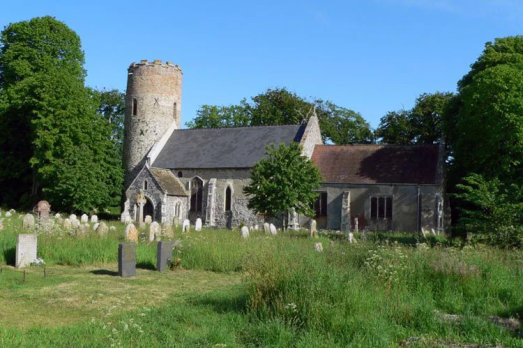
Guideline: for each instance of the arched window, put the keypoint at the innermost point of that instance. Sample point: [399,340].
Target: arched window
[197,195]
[135,107]
[180,174]
[228,199]
[145,185]
[177,209]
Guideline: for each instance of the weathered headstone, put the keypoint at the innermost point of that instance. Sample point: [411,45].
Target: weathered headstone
[198,225]
[167,230]
[154,231]
[356,223]
[312,229]
[43,208]
[186,226]
[273,229]
[83,228]
[76,223]
[29,222]
[94,219]
[60,220]
[72,217]
[176,221]
[102,229]
[351,238]
[245,232]
[67,224]
[26,246]
[112,228]
[256,227]
[124,216]
[148,219]
[8,214]
[127,259]
[266,228]
[95,226]
[57,216]
[84,218]
[131,233]
[12,211]
[164,255]
[318,247]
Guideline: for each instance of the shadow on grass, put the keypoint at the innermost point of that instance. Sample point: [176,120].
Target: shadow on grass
[146,265]
[10,256]
[105,272]
[223,301]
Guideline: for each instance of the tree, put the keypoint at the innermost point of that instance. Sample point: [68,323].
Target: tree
[281,107]
[52,136]
[283,180]
[420,125]
[111,107]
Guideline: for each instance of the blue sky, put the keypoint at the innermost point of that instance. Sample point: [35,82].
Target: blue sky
[371,56]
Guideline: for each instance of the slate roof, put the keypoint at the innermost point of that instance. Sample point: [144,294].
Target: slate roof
[223,147]
[375,164]
[169,183]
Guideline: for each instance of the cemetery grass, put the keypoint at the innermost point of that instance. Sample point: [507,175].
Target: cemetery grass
[262,292]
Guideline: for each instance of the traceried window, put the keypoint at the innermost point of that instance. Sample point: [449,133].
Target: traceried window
[381,207]
[197,195]
[320,206]
[135,107]
[228,199]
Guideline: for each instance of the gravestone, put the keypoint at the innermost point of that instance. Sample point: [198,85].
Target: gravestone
[351,238]
[57,216]
[318,247]
[60,220]
[164,255]
[102,229]
[176,221]
[124,216]
[154,231]
[131,233]
[95,226]
[72,217]
[8,214]
[167,230]
[266,228]
[83,228]
[43,208]
[356,223]
[273,229]
[112,228]
[94,219]
[76,223]
[198,225]
[84,218]
[127,259]
[148,219]
[25,250]
[29,222]
[245,232]
[67,224]
[186,226]
[312,229]
[256,227]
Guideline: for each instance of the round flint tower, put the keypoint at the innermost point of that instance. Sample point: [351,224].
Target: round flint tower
[153,102]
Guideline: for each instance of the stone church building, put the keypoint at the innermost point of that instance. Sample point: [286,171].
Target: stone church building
[200,173]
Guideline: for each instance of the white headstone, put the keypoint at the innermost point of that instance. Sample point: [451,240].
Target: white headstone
[94,219]
[124,216]
[26,246]
[148,219]
[29,222]
[72,217]
[75,223]
[318,247]
[154,231]
[67,224]
[95,226]
[312,229]
[273,229]
[356,223]
[351,238]
[256,227]
[8,214]
[245,232]
[198,225]
[266,228]
[186,226]
[57,216]
[84,218]
[12,211]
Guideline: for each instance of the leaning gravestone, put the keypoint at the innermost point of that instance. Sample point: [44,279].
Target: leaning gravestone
[273,229]
[164,255]
[25,250]
[198,225]
[127,259]
[102,229]
[29,222]
[154,230]
[266,228]
[131,233]
[312,229]
[186,226]
[245,232]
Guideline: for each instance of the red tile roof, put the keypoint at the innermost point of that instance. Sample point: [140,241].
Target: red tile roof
[374,164]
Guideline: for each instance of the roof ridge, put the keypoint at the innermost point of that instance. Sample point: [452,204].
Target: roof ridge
[382,145]
[243,127]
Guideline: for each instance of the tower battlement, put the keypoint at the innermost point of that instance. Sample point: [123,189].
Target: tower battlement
[154,64]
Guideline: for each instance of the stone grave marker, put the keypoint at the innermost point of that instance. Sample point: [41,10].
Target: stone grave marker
[154,230]
[312,229]
[148,219]
[318,247]
[25,250]
[127,259]
[351,238]
[164,255]
[95,226]
[198,225]
[102,229]
[186,225]
[67,224]
[29,222]
[94,219]
[131,233]
[273,229]
[245,232]
[124,216]
[84,218]
[167,230]
[43,208]
[266,228]
[72,217]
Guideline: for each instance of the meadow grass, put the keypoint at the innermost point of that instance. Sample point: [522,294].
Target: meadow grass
[390,291]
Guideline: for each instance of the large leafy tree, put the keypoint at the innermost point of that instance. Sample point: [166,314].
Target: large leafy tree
[111,107]
[52,135]
[283,180]
[279,107]
[420,125]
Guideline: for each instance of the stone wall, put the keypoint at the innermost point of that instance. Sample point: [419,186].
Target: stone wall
[311,136]
[153,193]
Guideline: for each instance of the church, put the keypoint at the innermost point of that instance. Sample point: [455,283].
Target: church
[177,174]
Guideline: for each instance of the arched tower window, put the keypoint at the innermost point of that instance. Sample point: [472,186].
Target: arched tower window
[197,195]
[145,184]
[135,107]
[228,199]
[180,174]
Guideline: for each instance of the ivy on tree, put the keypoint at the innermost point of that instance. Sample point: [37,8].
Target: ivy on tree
[283,180]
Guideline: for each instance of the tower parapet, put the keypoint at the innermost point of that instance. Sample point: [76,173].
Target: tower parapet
[153,103]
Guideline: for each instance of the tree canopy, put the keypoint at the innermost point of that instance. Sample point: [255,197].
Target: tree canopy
[279,107]
[283,180]
[54,143]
